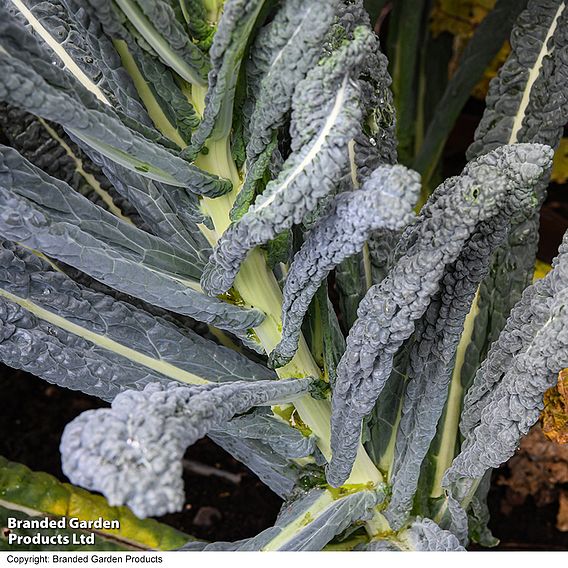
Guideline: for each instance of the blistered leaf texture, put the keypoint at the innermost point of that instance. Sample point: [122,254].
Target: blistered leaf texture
[506,397]
[426,535]
[180,53]
[48,147]
[536,70]
[325,118]
[388,313]
[527,102]
[75,231]
[375,142]
[226,54]
[435,341]
[169,212]
[88,355]
[283,53]
[385,201]
[423,535]
[102,129]
[82,38]
[132,452]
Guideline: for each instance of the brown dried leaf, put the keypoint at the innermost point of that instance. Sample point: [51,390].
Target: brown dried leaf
[554,417]
[538,469]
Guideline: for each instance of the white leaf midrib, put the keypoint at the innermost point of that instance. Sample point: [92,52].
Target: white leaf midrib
[158,365]
[316,146]
[534,74]
[56,47]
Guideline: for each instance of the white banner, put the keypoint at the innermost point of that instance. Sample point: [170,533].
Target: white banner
[278,559]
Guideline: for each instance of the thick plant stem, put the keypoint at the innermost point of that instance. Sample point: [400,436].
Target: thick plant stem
[258,288]
[213,8]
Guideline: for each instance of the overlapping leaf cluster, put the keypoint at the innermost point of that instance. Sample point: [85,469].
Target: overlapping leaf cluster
[183,181]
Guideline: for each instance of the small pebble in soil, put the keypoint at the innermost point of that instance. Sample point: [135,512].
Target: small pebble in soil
[207,517]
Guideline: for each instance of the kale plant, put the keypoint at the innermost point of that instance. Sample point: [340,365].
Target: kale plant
[205,223]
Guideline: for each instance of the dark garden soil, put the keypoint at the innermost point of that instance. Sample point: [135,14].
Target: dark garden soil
[529,496]
[225,501]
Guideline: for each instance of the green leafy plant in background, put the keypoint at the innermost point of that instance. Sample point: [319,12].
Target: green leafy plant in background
[205,223]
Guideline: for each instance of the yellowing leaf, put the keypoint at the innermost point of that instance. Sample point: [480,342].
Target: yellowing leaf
[41,493]
[560,164]
[458,17]
[461,18]
[541,269]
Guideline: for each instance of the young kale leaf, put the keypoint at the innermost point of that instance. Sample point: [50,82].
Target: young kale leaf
[325,118]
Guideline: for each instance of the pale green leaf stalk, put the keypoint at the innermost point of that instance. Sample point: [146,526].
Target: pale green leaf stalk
[35,494]
[257,287]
